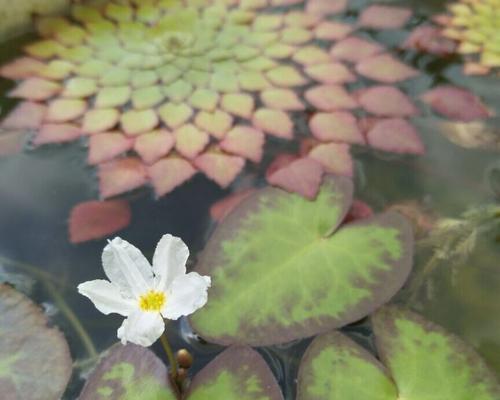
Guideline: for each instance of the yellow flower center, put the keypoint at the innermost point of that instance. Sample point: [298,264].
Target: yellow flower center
[152,301]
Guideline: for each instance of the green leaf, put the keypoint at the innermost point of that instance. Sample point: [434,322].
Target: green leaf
[281,270]
[336,368]
[239,373]
[428,363]
[34,359]
[129,373]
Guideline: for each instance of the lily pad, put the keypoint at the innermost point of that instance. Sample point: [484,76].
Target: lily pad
[127,373]
[239,373]
[422,362]
[35,362]
[277,278]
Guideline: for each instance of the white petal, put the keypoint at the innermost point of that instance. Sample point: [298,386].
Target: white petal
[186,294]
[142,328]
[169,260]
[126,267]
[106,297]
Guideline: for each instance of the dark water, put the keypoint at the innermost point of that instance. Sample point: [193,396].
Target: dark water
[39,187]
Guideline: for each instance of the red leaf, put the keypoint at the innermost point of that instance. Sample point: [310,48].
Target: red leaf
[168,173]
[380,17]
[385,68]
[56,133]
[395,135]
[244,141]
[429,39]
[335,158]
[456,103]
[11,142]
[97,219]
[302,176]
[359,210]
[355,49]
[386,101]
[27,115]
[154,145]
[106,146]
[222,208]
[120,176]
[221,168]
[339,126]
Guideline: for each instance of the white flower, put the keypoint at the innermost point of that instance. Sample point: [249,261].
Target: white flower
[145,294]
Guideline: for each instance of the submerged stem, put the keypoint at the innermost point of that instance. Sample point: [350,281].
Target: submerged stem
[49,281]
[170,355]
[419,280]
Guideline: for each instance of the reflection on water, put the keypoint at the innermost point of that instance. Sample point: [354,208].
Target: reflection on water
[39,187]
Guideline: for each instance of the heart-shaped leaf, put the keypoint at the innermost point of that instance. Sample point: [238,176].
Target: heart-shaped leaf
[126,373]
[34,359]
[281,270]
[239,373]
[424,362]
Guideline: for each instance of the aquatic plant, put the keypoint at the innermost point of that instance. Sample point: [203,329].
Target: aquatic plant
[303,273]
[34,357]
[146,294]
[186,86]
[420,360]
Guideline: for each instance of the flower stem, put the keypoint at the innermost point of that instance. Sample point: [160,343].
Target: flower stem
[170,355]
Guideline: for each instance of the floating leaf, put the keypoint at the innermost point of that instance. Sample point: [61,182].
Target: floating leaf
[339,126]
[378,16]
[244,141]
[168,173]
[237,373]
[220,209]
[394,104]
[120,176]
[428,38]
[437,357]
[97,219]
[385,68]
[330,98]
[335,366]
[221,168]
[302,176]
[36,89]
[106,146]
[355,49]
[129,372]
[56,133]
[35,359]
[456,103]
[305,275]
[154,145]
[27,115]
[335,158]
[395,135]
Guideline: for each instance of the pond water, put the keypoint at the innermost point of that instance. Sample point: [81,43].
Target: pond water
[39,187]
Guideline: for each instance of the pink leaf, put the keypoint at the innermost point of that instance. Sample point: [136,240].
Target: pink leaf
[339,126]
[302,176]
[56,133]
[456,103]
[21,68]
[385,68]
[221,168]
[428,38]
[330,98]
[335,158]
[333,30]
[222,208]
[359,210]
[386,101]
[36,89]
[27,115]
[281,99]
[274,122]
[395,135]
[355,49]
[154,145]
[379,17]
[326,7]
[120,176]
[106,146]
[334,72]
[97,219]
[244,141]
[11,142]
[168,173]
